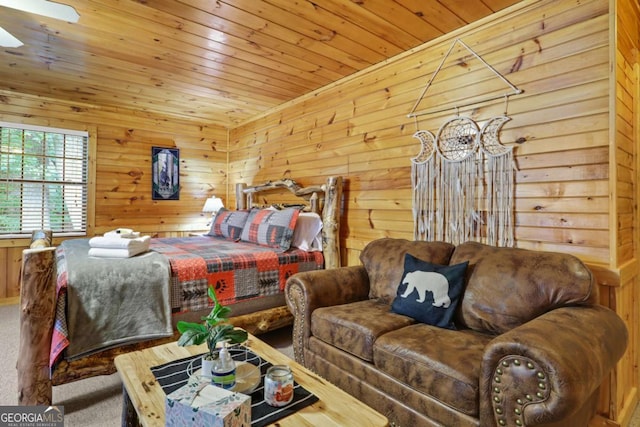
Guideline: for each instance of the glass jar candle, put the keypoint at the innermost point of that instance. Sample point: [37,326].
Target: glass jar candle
[278,385]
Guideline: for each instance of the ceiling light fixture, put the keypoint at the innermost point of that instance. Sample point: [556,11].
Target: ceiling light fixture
[7,40]
[46,8]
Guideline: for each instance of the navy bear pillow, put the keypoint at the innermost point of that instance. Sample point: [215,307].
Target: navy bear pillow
[429,293]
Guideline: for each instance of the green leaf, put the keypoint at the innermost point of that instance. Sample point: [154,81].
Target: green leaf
[223,312]
[212,295]
[216,327]
[237,336]
[192,337]
[219,332]
[219,313]
[183,326]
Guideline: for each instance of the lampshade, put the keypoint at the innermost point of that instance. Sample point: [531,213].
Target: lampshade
[213,204]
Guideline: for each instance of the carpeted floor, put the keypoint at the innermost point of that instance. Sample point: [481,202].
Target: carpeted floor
[94,402]
[97,402]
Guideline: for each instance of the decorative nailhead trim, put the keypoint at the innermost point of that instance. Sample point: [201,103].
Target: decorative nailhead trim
[296,295]
[510,413]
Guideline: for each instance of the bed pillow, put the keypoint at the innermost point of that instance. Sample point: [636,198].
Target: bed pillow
[272,228]
[306,235]
[228,224]
[429,293]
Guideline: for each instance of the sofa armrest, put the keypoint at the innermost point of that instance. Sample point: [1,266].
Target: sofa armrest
[546,369]
[321,288]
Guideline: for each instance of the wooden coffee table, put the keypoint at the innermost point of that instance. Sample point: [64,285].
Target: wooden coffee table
[145,398]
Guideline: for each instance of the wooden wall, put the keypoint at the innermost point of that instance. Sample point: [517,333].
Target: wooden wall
[557,52]
[625,166]
[123,142]
[562,129]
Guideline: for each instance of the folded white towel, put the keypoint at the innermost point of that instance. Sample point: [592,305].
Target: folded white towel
[115,253]
[138,244]
[125,233]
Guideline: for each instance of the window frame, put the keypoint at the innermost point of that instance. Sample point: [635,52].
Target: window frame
[88,132]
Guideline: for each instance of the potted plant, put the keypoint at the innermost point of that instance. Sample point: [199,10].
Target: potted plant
[214,329]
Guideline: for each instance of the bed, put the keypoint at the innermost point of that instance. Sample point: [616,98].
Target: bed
[257,308]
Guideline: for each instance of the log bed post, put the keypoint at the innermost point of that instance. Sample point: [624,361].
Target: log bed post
[37,311]
[331,222]
[240,202]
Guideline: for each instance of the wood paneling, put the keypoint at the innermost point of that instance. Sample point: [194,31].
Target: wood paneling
[359,127]
[217,62]
[5,277]
[123,169]
[625,167]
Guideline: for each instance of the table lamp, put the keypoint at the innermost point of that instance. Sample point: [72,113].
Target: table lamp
[212,205]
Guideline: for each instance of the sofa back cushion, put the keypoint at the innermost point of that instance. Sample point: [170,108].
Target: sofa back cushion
[507,287]
[384,261]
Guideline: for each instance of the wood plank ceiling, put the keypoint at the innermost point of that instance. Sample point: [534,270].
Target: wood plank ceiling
[215,61]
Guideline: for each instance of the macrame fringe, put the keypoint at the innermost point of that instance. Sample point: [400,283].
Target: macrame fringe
[424,170]
[423,176]
[456,185]
[499,196]
[451,184]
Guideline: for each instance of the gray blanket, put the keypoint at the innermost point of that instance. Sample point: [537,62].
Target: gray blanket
[111,302]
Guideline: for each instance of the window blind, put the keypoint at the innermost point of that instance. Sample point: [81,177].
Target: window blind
[43,180]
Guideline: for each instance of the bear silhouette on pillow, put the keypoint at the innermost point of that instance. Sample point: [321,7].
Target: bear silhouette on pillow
[427,281]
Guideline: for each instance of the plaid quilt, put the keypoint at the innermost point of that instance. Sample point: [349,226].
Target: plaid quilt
[238,271]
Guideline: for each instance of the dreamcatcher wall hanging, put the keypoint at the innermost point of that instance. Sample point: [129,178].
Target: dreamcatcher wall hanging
[463,177]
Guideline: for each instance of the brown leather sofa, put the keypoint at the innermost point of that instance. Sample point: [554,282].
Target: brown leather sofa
[531,345]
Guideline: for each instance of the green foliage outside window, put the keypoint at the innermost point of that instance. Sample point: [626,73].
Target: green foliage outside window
[43,181]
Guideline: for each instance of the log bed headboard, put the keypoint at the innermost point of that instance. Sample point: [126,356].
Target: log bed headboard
[323,199]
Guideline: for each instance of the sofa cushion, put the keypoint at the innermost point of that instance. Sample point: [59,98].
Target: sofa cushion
[354,327]
[442,363]
[384,261]
[507,287]
[429,293]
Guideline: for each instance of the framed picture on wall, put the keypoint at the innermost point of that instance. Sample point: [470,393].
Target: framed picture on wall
[165,172]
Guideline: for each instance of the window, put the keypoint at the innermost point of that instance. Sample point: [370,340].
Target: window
[43,180]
